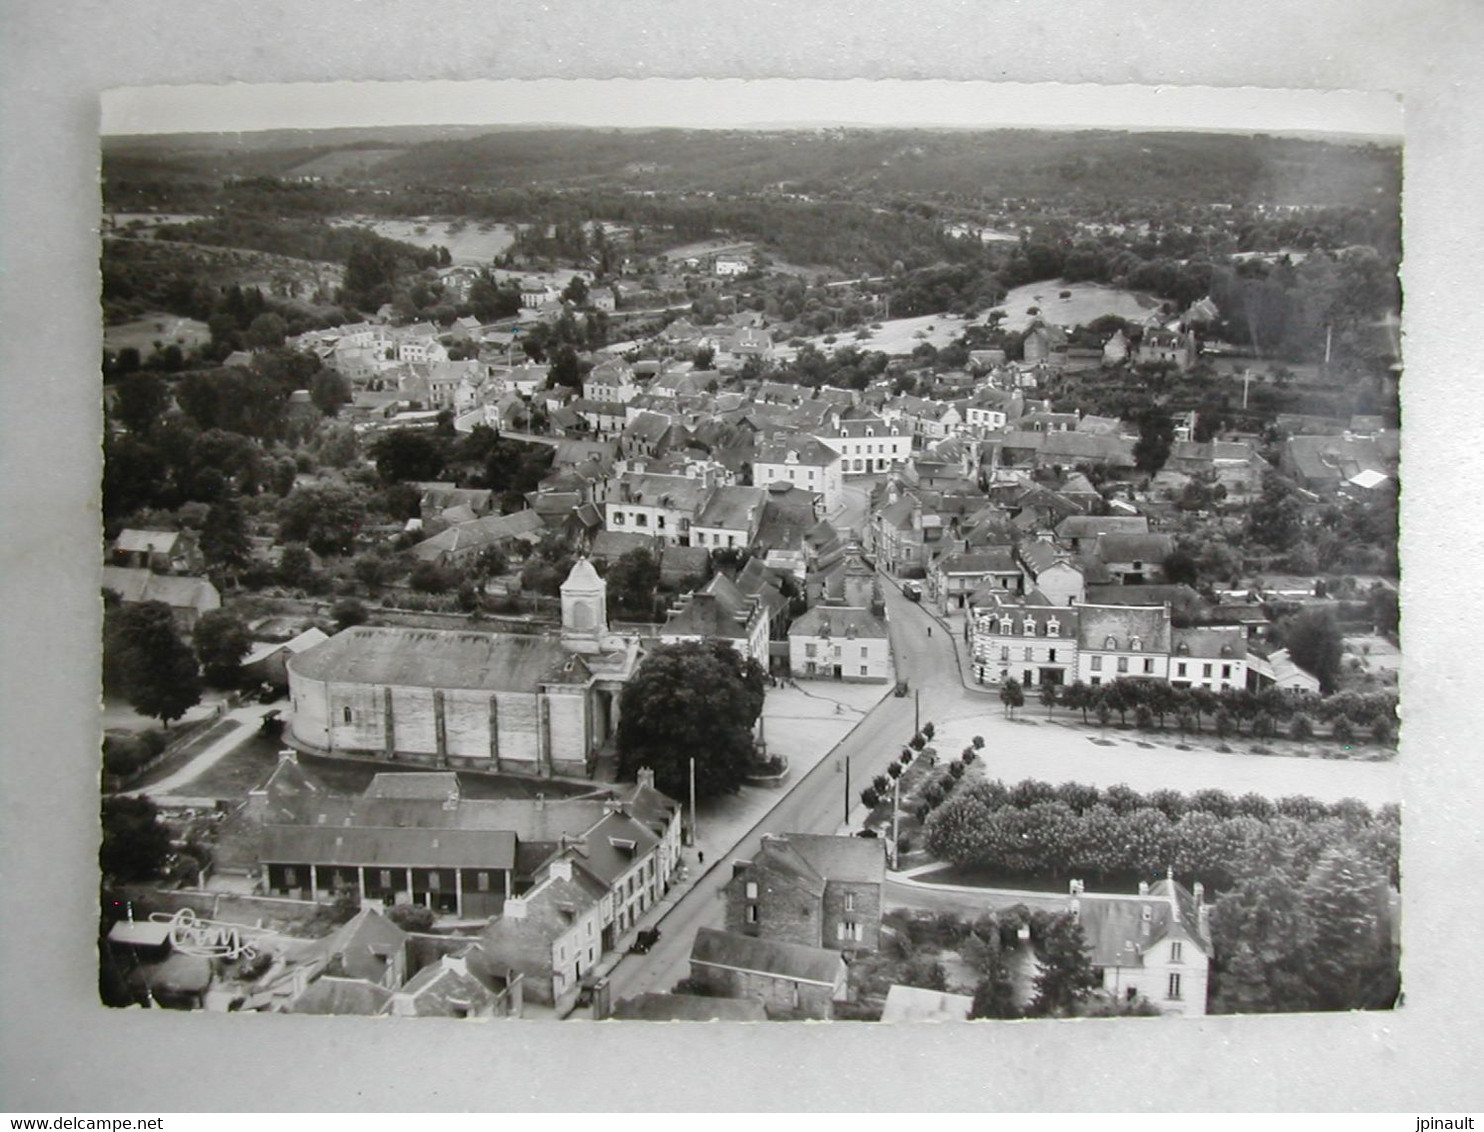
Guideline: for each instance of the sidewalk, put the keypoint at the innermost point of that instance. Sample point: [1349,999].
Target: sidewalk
[248,716]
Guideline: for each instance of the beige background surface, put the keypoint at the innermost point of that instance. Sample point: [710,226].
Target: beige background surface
[60,1052]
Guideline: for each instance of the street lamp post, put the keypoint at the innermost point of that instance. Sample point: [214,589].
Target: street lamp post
[694,832]
[844,764]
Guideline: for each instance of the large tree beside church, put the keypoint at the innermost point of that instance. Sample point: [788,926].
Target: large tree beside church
[696,700]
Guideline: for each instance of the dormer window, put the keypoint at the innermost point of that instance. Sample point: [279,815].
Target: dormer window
[1135,643]
[1110,642]
[1028,627]
[1005,626]
[1053,628]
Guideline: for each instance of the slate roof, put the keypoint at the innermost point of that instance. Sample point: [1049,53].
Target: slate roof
[478,533]
[610,848]
[851,859]
[607,546]
[177,592]
[331,994]
[732,508]
[431,658]
[791,961]
[360,948]
[146,542]
[844,622]
[262,650]
[995,560]
[720,609]
[444,990]
[805,450]
[1134,547]
[424,784]
[1211,644]
[1090,526]
[414,847]
[1123,622]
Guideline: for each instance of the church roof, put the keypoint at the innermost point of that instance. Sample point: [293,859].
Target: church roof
[437,658]
[583,578]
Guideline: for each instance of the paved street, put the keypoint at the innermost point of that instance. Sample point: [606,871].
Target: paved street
[1014,749]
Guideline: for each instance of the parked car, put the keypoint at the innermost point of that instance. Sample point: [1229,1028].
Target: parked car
[911,591]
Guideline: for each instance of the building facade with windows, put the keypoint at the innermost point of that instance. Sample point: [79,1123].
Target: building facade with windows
[868,446]
[812,890]
[840,642]
[1027,639]
[1153,947]
[1117,642]
[802,462]
[1213,658]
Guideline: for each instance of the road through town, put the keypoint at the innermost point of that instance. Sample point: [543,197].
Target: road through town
[817,804]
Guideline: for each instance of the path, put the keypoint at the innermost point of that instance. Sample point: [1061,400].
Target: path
[249,716]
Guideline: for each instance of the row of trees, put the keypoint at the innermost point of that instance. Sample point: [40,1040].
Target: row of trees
[1264,713]
[1076,831]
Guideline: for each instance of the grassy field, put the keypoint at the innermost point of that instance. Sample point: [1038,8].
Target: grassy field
[897,336]
[467,242]
[1085,302]
[254,760]
[143,333]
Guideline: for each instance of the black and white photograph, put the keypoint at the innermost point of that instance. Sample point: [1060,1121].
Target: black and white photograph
[683,558]
[762,571]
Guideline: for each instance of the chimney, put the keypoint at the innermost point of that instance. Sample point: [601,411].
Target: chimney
[1143,888]
[1198,890]
[515,908]
[1077,887]
[561,870]
[646,777]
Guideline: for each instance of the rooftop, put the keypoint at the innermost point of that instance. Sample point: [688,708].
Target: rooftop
[420,658]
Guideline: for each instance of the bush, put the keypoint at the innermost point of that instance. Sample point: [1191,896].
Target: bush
[1144,717]
[411,917]
[1381,731]
[895,770]
[1343,731]
[933,796]
[969,756]
[905,758]
[1226,723]
[977,742]
[869,798]
[348,612]
[1264,726]
[1301,728]
[881,783]
[430,578]
[956,770]
[928,730]
[918,742]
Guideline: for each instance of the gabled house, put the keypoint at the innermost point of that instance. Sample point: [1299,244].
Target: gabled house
[791,981]
[803,462]
[188,598]
[1131,559]
[1154,947]
[1117,641]
[868,445]
[810,889]
[1028,638]
[720,612]
[1051,572]
[164,552]
[1212,658]
[730,518]
[840,642]
[956,576]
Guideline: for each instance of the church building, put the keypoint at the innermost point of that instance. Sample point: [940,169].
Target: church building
[507,702]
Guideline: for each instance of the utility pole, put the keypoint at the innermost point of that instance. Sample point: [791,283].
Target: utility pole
[846,765]
[694,838]
[916,710]
[896,801]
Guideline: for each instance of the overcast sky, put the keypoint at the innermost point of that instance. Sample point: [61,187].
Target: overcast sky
[704,103]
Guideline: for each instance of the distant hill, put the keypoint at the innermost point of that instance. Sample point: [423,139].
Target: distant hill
[1102,165]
